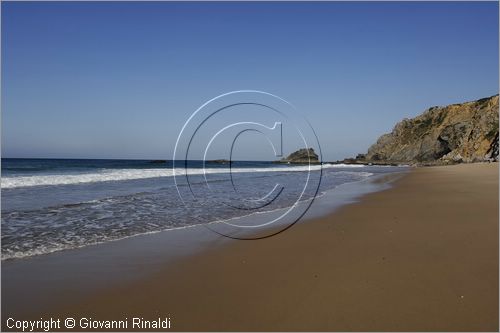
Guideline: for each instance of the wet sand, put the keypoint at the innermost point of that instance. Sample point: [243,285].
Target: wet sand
[420,256]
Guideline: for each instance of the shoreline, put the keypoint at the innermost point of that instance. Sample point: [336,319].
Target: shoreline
[49,277]
[419,256]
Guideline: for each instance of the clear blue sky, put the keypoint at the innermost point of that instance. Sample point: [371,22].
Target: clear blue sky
[118,80]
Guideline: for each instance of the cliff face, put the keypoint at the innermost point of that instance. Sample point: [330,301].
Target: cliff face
[466,132]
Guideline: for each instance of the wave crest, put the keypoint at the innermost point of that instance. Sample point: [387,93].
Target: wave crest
[131,174]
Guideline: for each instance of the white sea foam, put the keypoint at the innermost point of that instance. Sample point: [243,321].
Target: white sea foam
[342,165]
[82,242]
[130,174]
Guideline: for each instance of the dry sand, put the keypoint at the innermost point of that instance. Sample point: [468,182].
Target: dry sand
[420,256]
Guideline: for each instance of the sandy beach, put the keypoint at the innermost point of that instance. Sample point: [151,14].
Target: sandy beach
[420,256]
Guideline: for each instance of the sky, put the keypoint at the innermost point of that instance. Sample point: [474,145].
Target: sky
[119,79]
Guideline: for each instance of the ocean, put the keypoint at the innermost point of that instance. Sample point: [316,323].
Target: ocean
[51,205]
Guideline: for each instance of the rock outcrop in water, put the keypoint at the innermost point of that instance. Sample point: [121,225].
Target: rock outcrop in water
[466,132]
[221,161]
[301,156]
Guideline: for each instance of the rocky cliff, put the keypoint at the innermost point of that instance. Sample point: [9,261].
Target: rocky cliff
[466,132]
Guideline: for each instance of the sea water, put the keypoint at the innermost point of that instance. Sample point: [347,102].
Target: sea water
[56,204]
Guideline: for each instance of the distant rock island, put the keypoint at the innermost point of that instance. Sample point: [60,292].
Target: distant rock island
[301,156]
[456,133]
[220,161]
